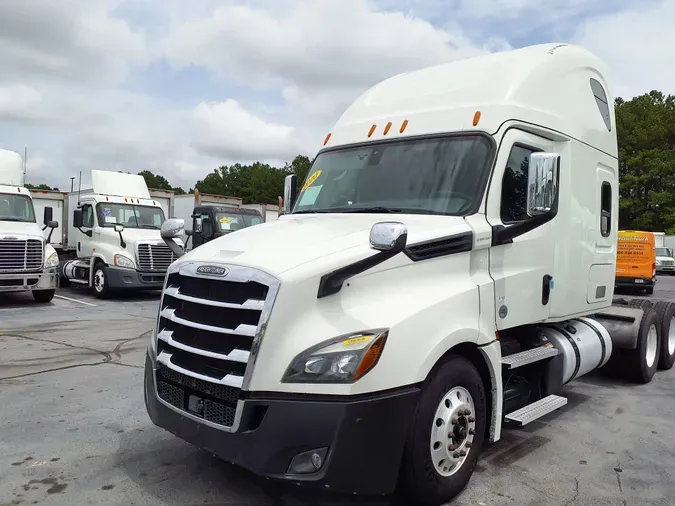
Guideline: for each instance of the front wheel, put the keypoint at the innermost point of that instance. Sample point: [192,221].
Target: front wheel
[447,434]
[99,283]
[43,296]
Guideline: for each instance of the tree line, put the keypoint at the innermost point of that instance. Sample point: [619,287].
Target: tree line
[646,138]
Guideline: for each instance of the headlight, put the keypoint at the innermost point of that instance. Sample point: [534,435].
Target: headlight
[124,261]
[658,262]
[52,260]
[343,359]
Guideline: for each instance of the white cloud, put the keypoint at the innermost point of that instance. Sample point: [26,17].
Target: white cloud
[227,130]
[111,83]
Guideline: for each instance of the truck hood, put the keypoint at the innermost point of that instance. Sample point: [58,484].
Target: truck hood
[21,230]
[133,235]
[291,241]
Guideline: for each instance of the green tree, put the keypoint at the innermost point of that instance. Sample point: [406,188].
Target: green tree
[646,138]
[159,182]
[41,187]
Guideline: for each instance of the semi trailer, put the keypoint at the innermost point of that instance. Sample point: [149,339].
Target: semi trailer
[446,268]
[112,241]
[28,263]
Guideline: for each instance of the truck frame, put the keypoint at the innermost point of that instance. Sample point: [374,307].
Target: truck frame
[446,268]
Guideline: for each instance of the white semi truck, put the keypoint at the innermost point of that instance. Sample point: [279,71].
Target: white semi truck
[27,261]
[113,240]
[446,268]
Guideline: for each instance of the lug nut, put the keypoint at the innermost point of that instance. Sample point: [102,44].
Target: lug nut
[472,419]
[472,432]
[455,455]
[453,421]
[452,448]
[462,453]
[467,412]
[468,444]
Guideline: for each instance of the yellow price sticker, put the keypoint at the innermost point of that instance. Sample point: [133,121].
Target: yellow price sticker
[356,340]
[225,220]
[311,180]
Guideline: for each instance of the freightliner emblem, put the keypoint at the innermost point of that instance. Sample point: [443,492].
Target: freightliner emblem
[212,270]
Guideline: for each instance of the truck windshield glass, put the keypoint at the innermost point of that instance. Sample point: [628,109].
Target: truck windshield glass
[422,176]
[229,222]
[16,208]
[663,252]
[129,215]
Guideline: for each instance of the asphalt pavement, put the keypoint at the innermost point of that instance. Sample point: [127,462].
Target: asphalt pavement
[74,430]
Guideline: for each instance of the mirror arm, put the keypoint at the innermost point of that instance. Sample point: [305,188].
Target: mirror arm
[122,243]
[502,234]
[88,233]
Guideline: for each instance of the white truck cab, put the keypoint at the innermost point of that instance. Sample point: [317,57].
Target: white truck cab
[445,269]
[115,231]
[27,261]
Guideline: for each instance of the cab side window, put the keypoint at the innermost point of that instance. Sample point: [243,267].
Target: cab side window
[513,206]
[87,216]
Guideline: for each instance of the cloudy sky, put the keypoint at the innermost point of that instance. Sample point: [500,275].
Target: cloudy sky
[181,86]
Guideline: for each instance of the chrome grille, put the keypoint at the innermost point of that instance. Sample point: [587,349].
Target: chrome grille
[154,257]
[208,334]
[17,255]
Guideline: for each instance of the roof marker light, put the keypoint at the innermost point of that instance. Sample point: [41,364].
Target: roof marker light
[476,118]
[325,141]
[404,125]
[386,129]
[372,130]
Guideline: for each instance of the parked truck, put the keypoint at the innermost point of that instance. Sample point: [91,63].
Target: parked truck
[269,212]
[446,268]
[112,241]
[27,261]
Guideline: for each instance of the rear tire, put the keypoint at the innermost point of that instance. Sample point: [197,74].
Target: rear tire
[43,296]
[639,365]
[433,469]
[641,303]
[666,313]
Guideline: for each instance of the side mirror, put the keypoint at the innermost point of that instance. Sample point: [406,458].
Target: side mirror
[542,183]
[119,228]
[390,236]
[52,224]
[198,225]
[290,193]
[78,218]
[48,216]
[188,232]
[171,229]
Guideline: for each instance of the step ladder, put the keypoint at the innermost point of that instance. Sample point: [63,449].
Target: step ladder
[529,356]
[536,410]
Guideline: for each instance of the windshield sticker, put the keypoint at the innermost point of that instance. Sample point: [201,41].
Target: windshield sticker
[110,219]
[107,212]
[311,180]
[309,196]
[225,219]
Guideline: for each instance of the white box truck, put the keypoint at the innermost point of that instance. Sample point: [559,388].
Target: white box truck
[113,238]
[446,268]
[27,261]
[269,212]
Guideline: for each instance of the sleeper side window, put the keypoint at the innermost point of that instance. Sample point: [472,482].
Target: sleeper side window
[605,209]
[513,206]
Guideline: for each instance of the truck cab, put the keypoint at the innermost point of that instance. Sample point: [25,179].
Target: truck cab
[27,261]
[446,268]
[210,221]
[665,261]
[115,231]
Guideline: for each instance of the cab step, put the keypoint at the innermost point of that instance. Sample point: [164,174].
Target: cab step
[536,410]
[529,356]
[79,281]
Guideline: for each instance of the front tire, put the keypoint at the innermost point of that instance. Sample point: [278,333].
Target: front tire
[447,434]
[43,296]
[99,284]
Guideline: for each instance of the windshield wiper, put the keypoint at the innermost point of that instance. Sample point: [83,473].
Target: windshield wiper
[148,226]
[14,219]
[373,209]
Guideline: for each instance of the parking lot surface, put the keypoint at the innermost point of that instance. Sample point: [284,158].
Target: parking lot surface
[74,430]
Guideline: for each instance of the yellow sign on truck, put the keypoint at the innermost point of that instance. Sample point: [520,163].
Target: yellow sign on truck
[636,260]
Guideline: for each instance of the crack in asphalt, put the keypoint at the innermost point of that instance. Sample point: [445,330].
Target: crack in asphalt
[109,357]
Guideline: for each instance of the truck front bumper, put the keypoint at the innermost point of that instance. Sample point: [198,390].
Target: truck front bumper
[665,269]
[364,436]
[48,279]
[120,278]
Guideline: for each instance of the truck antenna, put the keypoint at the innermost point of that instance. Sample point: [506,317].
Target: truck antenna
[25,160]
[79,189]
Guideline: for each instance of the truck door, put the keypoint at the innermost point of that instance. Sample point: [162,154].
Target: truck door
[86,244]
[520,270]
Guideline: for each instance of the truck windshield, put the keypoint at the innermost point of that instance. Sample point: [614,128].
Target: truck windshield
[129,215]
[421,176]
[16,208]
[663,252]
[229,222]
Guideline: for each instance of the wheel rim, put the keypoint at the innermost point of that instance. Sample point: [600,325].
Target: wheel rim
[452,431]
[99,280]
[671,336]
[650,354]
